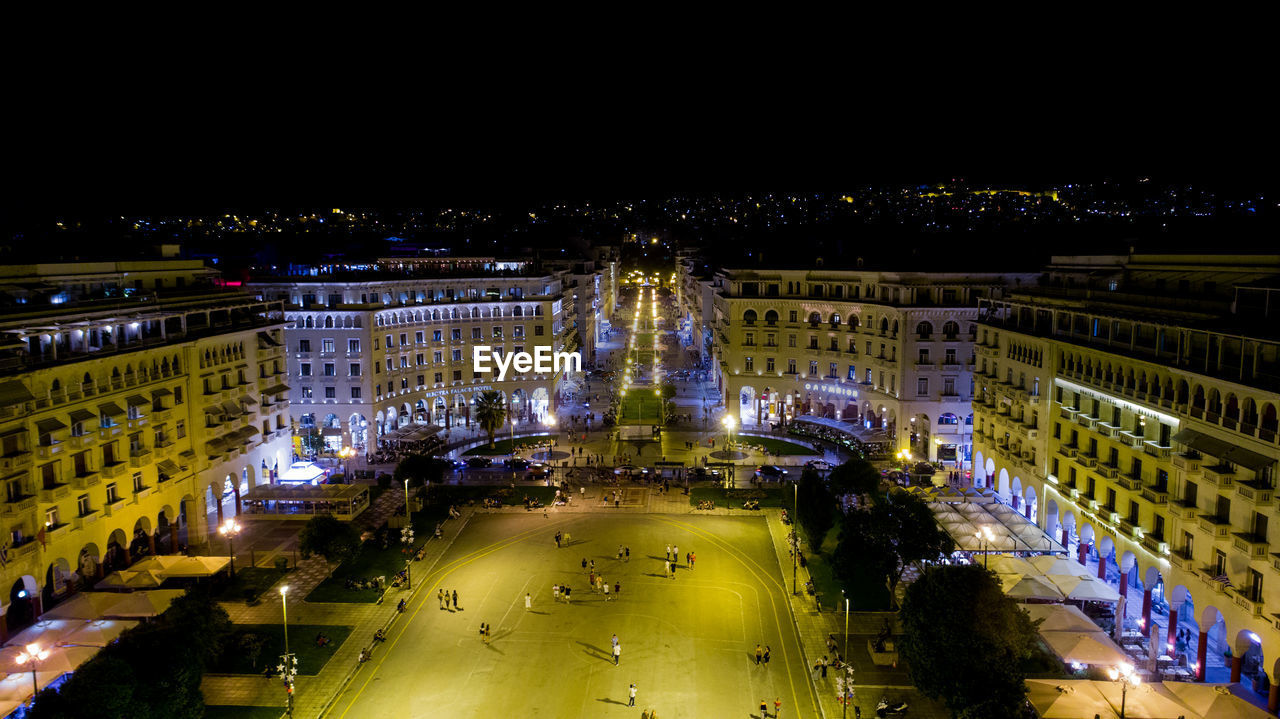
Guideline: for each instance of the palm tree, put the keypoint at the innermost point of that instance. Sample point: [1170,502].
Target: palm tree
[491,412]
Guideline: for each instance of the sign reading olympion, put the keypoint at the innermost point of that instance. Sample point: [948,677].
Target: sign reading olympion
[542,361]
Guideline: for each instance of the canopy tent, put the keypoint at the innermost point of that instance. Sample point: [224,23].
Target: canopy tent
[1060,618]
[1214,701]
[15,688]
[45,632]
[302,473]
[97,605]
[176,566]
[1146,701]
[1010,565]
[1023,587]
[1092,648]
[60,660]
[1053,564]
[98,633]
[1012,532]
[1059,699]
[1084,588]
[129,579]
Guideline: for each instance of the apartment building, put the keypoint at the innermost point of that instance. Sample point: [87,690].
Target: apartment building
[886,350]
[137,401]
[1129,406]
[371,351]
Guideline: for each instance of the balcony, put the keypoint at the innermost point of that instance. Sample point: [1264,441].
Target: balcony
[1155,544]
[48,451]
[142,492]
[1243,599]
[1209,575]
[1188,462]
[1086,421]
[1156,450]
[1068,452]
[19,505]
[1220,474]
[1156,495]
[86,480]
[1107,430]
[1254,545]
[20,459]
[1110,471]
[1131,482]
[139,457]
[112,470]
[1184,509]
[1181,559]
[1131,439]
[80,441]
[1218,527]
[1255,493]
[54,493]
[113,507]
[1068,412]
[24,550]
[84,520]
[1087,460]
[57,531]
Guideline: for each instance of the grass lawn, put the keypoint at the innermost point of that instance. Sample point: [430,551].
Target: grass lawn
[220,711]
[733,498]
[867,594]
[776,446]
[374,561]
[640,407]
[503,446]
[257,579]
[302,642]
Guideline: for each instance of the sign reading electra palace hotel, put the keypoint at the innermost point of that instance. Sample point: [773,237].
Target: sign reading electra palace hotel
[542,361]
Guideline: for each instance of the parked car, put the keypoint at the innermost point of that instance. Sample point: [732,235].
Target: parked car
[516,463]
[821,465]
[538,470]
[479,462]
[771,471]
[456,464]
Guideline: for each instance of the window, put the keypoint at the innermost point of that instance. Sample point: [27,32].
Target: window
[355,367]
[421,380]
[922,386]
[437,335]
[330,392]
[177,396]
[353,345]
[304,369]
[457,354]
[355,393]
[137,482]
[950,357]
[791,340]
[538,330]
[497,333]
[404,338]
[457,375]
[307,393]
[304,345]
[439,377]
[813,368]
[949,386]
[418,337]
[457,334]
[924,357]
[748,364]
[438,356]
[51,517]
[791,366]
[476,333]
[180,429]
[390,343]
[404,361]
[834,370]
[791,316]
[750,340]
[420,359]
[330,369]
[769,365]
[113,495]
[82,506]
[326,345]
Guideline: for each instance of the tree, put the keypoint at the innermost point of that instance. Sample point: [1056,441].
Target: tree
[251,645]
[857,476]
[329,537]
[491,412]
[887,537]
[312,440]
[816,508]
[203,622]
[419,469]
[995,634]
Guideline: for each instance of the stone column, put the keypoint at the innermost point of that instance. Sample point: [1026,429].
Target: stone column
[1082,550]
[1173,631]
[1273,699]
[173,537]
[1102,567]
[1236,663]
[151,542]
[1124,584]
[1202,653]
[1146,612]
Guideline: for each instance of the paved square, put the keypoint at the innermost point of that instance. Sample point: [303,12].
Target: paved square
[688,643]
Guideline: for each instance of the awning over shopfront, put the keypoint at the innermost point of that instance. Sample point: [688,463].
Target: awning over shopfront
[1011,531]
[1223,450]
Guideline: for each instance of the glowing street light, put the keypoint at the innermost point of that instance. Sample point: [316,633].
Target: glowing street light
[1125,675]
[230,529]
[985,537]
[288,666]
[34,654]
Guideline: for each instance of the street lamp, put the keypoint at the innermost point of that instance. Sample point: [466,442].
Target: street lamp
[35,655]
[985,537]
[1125,675]
[848,675]
[288,667]
[230,529]
[406,536]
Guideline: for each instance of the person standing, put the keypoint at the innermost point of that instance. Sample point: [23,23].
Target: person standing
[584,564]
[606,591]
[557,540]
[626,551]
[614,642]
[440,597]
[675,554]
[567,592]
[668,567]
[668,551]
[764,708]
[555,592]
[777,707]
[617,653]
[455,599]
[528,602]
[766,656]
[693,557]
[631,695]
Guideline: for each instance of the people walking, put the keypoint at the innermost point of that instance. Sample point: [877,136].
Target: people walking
[766,656]
[626,551]
[528,602]
[764,708]
[455,599]
[440,598]
[555,592]
[631,695]
[668,567]
[617,653]
[484,636]
[777,707]
[557,540]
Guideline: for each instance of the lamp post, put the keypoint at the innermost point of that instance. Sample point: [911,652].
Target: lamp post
[406,537]
[985,537]
[288,663]
[795,543]
[230,529]
[844,700]
[1125,675]
[35,655]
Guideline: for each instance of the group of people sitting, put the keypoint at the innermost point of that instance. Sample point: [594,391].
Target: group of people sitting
[371,583]
[453,512]
[751,504]
[323,640]
[706,504]
[531,502]
[786,518]
[402,576]
[490,503]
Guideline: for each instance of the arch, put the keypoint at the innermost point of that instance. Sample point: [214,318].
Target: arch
[951,329]
[89,562]
[1002,484]
[853,322]
[117,556]
[22,596]
[328,322]
[771,317]
[815,319]
[924,330]
[1015,493]
[979,467]
[1033,504]
[884,326]
[749,317]
[1052,523]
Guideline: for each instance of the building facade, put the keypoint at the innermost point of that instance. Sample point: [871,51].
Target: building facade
[1129,407]
[372,352]
[888,350]
[137,400]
